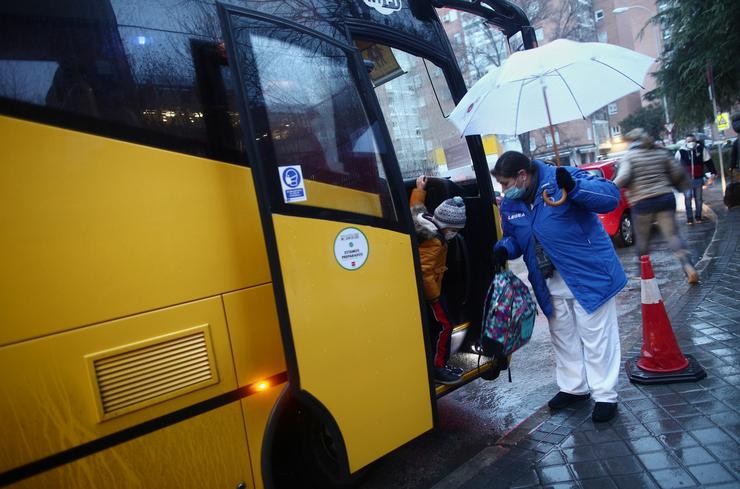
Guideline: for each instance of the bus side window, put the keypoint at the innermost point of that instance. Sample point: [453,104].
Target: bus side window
[98,71]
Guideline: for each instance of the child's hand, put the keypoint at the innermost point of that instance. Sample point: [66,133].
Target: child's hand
[421,182]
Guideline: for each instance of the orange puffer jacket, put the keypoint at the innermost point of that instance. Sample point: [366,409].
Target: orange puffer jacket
[432,246]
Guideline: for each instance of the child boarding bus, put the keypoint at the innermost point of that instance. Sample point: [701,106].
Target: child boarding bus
[209,275]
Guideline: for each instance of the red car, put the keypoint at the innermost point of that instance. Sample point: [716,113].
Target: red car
[618,223]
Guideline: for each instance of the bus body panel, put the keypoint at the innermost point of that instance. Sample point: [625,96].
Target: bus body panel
[52,400]
[373,314]
[165,458]
[254,333]
[96,229]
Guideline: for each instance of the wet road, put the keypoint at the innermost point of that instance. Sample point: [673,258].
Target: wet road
[479,413]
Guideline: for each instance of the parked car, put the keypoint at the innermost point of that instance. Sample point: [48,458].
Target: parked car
[618,223]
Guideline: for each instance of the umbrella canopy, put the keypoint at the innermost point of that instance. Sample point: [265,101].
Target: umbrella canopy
[567,79]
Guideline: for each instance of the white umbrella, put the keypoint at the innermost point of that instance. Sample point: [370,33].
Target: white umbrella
[558,82]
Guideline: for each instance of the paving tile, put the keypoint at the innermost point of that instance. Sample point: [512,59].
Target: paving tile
[553,474]
[634,481]
[552,458]
[584,453]
[664,426]
[673,478]
[628,431]
[612,449]
[682,410]
[724,451]
[677,440]
[693,456]
[670,400]
[658,460]
[686,387]
[603,435]
[563,485]
[711,407]
[711,473]
[602,483]
[729,393]
[725,418]
[574,440]
[588,470]
[695,422]
[638,405]
[711,435]
[623,465]
[645,445]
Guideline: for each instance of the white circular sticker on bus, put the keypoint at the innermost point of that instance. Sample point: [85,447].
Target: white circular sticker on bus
[351,248]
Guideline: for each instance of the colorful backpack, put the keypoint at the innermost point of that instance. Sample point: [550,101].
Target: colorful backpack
[508,318]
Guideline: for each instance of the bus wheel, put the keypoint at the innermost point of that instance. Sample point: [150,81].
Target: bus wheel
[322,454]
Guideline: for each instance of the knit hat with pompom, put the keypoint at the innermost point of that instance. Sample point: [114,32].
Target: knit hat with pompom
[450,214]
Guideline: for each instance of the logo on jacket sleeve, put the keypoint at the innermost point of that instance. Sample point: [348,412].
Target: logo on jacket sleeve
[515,215]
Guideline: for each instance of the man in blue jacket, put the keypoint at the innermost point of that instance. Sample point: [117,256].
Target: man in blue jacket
[573,269]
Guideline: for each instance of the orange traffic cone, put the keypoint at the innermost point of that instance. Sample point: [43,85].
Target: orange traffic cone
[660,360]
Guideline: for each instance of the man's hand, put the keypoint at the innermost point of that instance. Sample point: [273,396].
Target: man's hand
[564,179]
[421,182]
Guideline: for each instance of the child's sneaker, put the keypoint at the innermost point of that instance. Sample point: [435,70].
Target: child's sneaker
[443,375]
[456,370]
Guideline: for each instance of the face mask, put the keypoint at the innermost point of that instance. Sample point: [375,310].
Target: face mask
[449,234]
[514,192]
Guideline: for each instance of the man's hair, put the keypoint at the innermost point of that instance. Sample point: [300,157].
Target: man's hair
[511,163]
[691,135]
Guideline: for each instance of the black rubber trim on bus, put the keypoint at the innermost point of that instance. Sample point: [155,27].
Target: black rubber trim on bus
[86,449]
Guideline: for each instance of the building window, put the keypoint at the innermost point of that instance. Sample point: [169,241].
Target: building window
[602,36]
[599,15]
[615,130]
[539,34]
[612,108]
[548,139]
[589,134]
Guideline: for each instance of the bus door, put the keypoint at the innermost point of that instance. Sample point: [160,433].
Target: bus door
[337,231]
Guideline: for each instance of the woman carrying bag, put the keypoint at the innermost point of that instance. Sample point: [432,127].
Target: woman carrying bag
[573,269]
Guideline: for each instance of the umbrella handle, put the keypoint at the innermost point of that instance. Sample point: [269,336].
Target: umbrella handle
[554,203]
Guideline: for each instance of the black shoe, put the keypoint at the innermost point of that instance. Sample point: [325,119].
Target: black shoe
[690,222]
[604,411]
[563,399]
[699,220]
[445,376]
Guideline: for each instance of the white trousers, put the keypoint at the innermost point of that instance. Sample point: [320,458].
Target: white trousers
[587,352]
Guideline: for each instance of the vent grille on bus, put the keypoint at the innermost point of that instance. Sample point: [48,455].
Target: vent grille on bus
[136,376]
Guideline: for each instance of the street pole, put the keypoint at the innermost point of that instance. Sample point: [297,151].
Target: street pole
[715,111]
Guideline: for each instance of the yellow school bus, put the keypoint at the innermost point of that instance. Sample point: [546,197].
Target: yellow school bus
[209,275]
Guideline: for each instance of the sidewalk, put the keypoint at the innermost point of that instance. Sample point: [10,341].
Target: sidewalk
[664,436]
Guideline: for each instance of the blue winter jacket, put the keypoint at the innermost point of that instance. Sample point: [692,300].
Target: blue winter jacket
[571,235]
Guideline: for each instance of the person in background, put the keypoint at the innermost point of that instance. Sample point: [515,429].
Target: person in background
[696,161]
[573,269]
[735,152]
[433,233]
[650,174]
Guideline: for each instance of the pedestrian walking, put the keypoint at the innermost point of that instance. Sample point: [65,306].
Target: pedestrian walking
[650,174]
[696,160]
[433,232]
[573,269]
